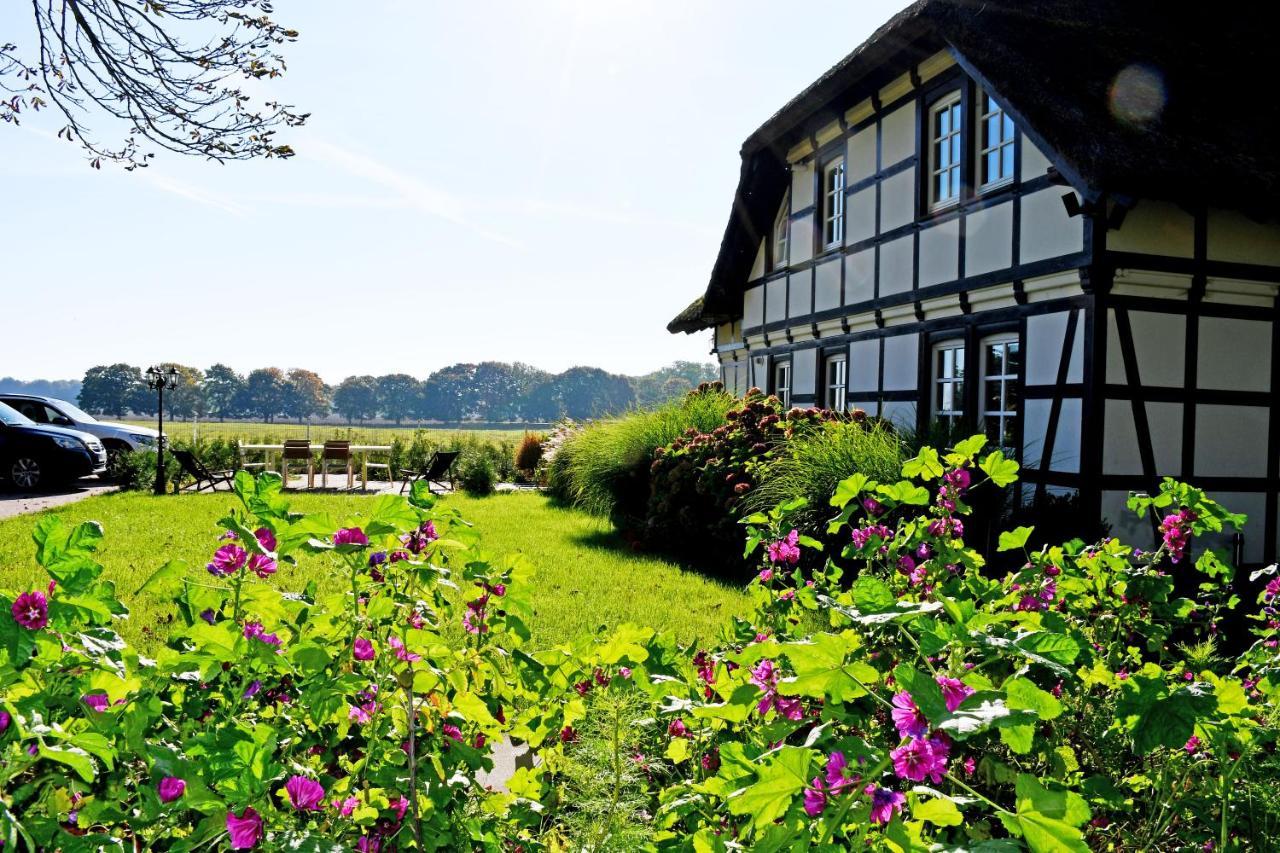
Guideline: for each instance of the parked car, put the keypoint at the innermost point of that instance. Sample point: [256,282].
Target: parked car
[118,439]
[37,456]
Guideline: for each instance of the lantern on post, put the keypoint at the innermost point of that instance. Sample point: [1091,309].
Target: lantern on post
[158,379]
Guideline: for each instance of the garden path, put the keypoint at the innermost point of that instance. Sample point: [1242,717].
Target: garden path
[21,503]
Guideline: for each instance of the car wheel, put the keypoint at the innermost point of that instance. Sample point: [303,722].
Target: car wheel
[26,473]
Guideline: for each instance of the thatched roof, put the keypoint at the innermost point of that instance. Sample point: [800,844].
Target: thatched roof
[1132,98]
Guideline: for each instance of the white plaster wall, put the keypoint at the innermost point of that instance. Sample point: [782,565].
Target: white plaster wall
[898,135]
[1034,163]
[861,216]
[760,372]
[1066,442]
[1044,347]
[859,276]
[860,161]
[871,407]
[804,372]
[940,253]
[898,200]
[895,265]
[800,295]
[1231,441]
[1233,236]
[864,366]
[800,244]
[988,239]
[775,301]
[1128,527]
[1252,504]
[1234,355]
[826,291]
[753,307]
[757,268]
[901,362]
[1155,228]
[1047,231]
[1159,343]
[1120,451]
[802,186]
[900,413]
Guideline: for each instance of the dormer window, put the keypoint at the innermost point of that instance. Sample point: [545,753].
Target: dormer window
[833,204]
[995,148]
[944,152]
[781,229]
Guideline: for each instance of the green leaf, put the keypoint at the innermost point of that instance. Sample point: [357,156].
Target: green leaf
[849,489]
[924,465]
[75,758]
[1049,819]
[1014,540]
[924,691]
[777,784]
[901,611]
[1019,739]
[390,514]
[1002,471]
[905,492]
[1058,648]
[970,447]
[870,594]
[821,669]
[939,810]
[678,750]
[1157,717]
[171,569]
[1023,694]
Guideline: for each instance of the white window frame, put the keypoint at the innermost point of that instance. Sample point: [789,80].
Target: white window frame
[1006,379]
[781,233]
[782,382]
[989,108]
[833,182]
[836,388]
[955,381]
[950,141]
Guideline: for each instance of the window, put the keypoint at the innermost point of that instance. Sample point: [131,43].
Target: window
[995,149]
[782,383]
[1000,359]
[833,204]
[948,380]
[781,227]
[836,386]
[944,157]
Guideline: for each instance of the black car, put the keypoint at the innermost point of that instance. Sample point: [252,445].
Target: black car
[35,456]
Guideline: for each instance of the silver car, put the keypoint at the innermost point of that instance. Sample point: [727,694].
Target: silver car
[118,439]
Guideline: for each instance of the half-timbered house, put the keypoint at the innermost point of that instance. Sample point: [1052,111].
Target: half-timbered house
[1050,221]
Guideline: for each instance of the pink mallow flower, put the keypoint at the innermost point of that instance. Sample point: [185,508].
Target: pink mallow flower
[677,728]
[362,649]
[909,719]
[954,691]
[1192,745]
[245,829]
[97,701]
[171,788]
[884,803]
[346,807]
[262,565]
[265,538]
[765,676]
[31,610]
[227,560]
[350,536]
[786,550]
[921,759]
[304,794]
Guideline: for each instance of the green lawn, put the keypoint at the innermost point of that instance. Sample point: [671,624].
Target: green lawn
[585,577]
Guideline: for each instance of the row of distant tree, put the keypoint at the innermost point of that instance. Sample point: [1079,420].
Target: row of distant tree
[490,391]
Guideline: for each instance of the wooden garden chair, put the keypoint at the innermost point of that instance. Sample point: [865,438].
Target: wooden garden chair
[336,451]
[438,472]
[204,478]
[365,465]
[298,449]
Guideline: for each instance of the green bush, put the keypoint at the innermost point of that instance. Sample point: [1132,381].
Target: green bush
[608,467]
[477,475]
[137,471]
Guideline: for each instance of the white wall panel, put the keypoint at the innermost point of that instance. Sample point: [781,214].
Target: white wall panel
[1129,528]
[940,253]
[800,294]
[895,265]
[1044,347]
[826,291]
[1155,228]
[900,413]
[901,362]
[1235,237]
[757,268]
[1159,344]
[800,244]
[804,372]
[988,239]
[802,185]
[753,307]
[898,200]
[775,301]
[1231,441]
[760,372]
[1034,163]
[864,366]
[1047,231]
[1121,453]
[1065,457]
[860,162]
[898,135]
[1253,505]
[862,216]
[1234,355]
[859,276]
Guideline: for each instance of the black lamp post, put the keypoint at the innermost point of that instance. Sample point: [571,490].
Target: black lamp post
[159,379]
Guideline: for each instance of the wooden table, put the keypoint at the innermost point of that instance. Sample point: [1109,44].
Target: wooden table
[362,449]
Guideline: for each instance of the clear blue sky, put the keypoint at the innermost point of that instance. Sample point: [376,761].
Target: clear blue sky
[544,181]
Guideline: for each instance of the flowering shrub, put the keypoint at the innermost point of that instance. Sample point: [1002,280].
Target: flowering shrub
[1076,703]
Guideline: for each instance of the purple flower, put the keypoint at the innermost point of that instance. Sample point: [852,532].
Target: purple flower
[171,788]
[227,560]
[909,719]
[305,794]
[377,558]
[255,631]
[97,701]
[368,844]
[401,652]
[1193,745]
[677,728]
[4,720]
[418,540]
[884,803]
[921,759]
[245,829]
[252,689]
[786,550]
[265,538]
[362,649]
[766,575]
[452,732]
[208,615]
[262,565]
[31,610]
[347,806]
[954,691]
[815,798]
[350,536]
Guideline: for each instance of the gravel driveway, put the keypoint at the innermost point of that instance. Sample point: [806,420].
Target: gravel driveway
[20,503]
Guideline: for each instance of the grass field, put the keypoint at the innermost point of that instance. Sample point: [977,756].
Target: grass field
[584,576]
[262,433]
